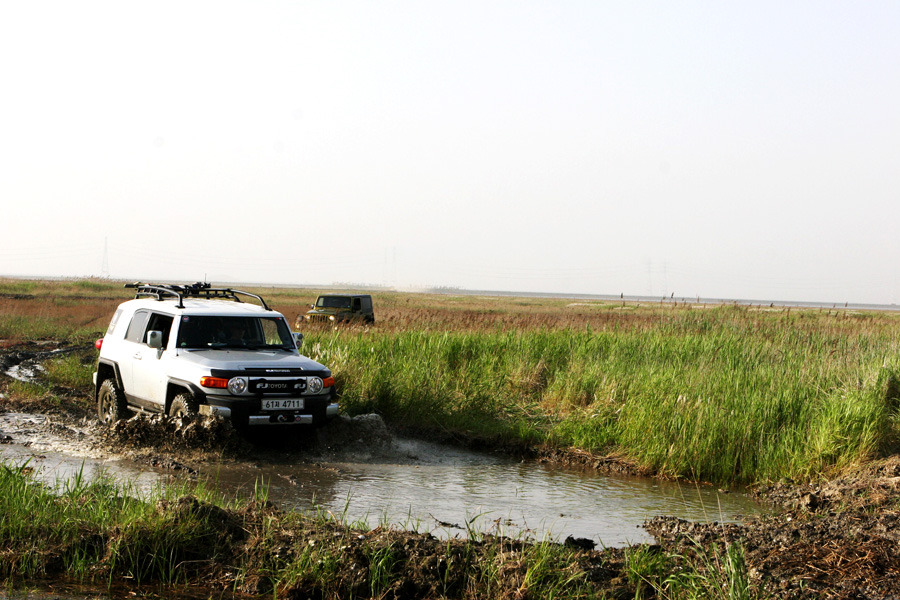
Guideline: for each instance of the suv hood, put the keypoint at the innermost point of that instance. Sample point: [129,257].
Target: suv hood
[231,359]
[327,311]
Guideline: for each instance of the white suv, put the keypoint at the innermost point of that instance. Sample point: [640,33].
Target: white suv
[188,349]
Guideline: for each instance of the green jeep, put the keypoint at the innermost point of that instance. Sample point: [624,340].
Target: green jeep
[341,308]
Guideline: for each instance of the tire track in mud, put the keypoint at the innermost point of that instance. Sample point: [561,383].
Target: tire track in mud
[26,364]
[40,430]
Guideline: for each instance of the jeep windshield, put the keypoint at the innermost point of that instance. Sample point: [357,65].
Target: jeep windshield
[333,302]
[234,332]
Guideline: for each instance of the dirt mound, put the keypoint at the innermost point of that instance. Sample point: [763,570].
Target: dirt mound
[871,485]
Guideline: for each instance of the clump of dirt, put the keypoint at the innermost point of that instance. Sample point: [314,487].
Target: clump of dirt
[872,485]
[605,463]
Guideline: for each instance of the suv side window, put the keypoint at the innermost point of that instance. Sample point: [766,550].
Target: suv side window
[136,328]
[162,323]
[356,305]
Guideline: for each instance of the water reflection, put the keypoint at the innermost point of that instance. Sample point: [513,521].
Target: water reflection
[445,491]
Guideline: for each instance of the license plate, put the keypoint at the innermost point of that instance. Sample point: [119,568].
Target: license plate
[283,404]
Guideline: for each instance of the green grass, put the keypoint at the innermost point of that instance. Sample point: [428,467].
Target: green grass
[711,573]
[726,396]
[90,528]
[72,370]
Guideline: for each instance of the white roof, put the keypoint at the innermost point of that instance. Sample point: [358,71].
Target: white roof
[195,306]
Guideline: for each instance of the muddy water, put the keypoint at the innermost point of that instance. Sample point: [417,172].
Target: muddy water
[444,490]
[413,484]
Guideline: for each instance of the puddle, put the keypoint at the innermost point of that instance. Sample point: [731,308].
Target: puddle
[445,491]
[26,371]
[48,433]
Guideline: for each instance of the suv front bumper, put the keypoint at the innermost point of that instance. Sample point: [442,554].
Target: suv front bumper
[318,410]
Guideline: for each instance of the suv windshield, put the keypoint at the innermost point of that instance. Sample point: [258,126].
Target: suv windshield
[234,332]
[333,302]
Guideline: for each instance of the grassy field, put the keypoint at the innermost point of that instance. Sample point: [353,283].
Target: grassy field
[719,393]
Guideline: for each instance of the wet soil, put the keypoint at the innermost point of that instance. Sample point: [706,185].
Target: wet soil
[832,539]
[835,539]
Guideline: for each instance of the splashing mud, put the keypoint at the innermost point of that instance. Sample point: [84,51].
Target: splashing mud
[165,434]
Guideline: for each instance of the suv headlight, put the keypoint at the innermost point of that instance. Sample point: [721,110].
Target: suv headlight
[314,385]
[237,385]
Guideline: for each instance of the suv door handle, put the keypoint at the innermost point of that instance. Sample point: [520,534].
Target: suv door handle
[137,356]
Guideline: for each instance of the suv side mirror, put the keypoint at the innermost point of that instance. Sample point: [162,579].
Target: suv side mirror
[154,339]
[298,339]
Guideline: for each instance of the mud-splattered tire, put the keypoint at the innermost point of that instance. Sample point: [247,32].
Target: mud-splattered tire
[183,405]
[111,405]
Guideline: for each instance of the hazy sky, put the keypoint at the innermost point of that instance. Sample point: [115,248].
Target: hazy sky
[721,149]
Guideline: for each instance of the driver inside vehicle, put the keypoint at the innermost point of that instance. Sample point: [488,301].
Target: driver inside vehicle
[231,332]
[236,333]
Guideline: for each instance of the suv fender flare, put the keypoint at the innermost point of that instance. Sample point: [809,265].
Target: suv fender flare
[103,370]
[179,386]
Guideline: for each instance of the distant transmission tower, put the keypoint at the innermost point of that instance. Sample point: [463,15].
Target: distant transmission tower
[104,268]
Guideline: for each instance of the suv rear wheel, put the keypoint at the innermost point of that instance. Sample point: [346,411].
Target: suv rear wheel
[183,405]
[111,405]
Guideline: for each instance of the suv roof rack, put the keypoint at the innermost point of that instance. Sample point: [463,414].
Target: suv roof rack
[160,291]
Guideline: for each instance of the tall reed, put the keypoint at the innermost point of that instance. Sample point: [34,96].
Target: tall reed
[727,395]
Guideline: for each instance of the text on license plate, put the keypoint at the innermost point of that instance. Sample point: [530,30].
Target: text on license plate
[283,404]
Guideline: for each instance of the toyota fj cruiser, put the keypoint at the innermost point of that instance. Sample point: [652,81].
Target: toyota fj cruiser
[340,308]
[187,349]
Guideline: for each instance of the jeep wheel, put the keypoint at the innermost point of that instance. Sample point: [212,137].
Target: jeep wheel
[111,404]
[183,405]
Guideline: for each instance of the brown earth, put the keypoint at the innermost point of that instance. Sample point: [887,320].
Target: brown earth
[836,539]
[833,539]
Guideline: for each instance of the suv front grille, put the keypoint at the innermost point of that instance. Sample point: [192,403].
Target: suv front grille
[319,317]
[262,372]
[278,386]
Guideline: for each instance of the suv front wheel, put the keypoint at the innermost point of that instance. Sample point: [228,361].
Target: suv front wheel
[183,405]
[111,405]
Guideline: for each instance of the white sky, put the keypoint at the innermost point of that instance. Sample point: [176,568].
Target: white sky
[717,149]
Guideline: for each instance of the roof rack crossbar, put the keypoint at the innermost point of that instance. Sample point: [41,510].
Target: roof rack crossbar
[200,289]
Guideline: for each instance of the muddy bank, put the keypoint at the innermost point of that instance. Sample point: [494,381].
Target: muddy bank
[836,539]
